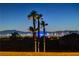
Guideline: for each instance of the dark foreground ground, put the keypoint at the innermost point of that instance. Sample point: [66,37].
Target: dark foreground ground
[68,43]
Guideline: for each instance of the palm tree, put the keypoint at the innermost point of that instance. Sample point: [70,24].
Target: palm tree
[38,18]
[43,25]
[32,16]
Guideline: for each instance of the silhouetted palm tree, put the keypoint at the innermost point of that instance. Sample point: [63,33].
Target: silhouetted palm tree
[43,25]
[32,16]
[38,18]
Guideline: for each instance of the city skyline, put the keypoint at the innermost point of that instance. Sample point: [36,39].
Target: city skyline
[58,16]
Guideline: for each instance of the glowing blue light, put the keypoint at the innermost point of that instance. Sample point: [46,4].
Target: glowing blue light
[41,34]
[47,34]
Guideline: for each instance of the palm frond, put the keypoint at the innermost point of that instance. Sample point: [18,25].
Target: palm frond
[46,24]
[36,29]
[42,23]
[33,12]
[38,16]
[31,28]
[30,17]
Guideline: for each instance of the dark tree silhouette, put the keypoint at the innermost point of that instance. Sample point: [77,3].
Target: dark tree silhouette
[43,25]
[14,35]
[39,16]
[32,16]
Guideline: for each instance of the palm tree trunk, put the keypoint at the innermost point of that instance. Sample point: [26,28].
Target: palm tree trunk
[34,35]
[44,40]
[38,34]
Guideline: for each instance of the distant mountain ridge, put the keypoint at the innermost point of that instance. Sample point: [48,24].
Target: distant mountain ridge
[12,31]
[22,32]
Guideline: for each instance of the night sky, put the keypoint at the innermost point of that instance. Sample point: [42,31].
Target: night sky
[58,16]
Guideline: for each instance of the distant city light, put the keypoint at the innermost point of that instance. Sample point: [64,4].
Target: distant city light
[47,34]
